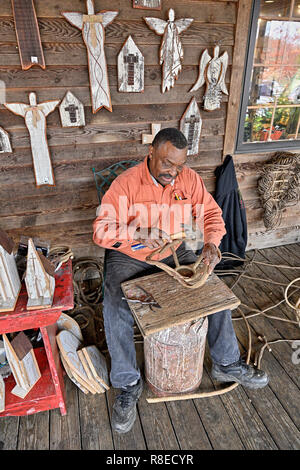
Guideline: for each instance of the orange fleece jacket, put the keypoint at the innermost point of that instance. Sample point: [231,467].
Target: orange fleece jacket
[136,199]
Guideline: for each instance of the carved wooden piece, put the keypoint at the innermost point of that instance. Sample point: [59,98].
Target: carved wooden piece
[148,138]
[179,305]
[71,111]
[23,364]
[65,322]
[190,126]
[130,68]
[93,31]
[5,145]
[147,4]
[68,345]
[40,284]
[28,34]
[97,364]
[98,387]
[10,283]
[212,71]
[71,376]
[171,50]
[35,120]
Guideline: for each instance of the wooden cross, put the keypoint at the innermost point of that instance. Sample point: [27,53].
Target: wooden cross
[148,138]
[130,59]
[71,109]
[191,121]
[92,26]
[190,126]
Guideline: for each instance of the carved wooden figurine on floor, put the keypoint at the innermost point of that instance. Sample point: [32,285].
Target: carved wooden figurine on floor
[130,68]
[5,145]
[10,283]
[35,120]
[190,126]
[92,26]
[171,50]
[147,4]
[39,279]
[213,71]
[71,111]
[28,34]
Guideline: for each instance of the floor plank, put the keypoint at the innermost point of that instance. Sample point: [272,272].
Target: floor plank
[34,432]
[65,430]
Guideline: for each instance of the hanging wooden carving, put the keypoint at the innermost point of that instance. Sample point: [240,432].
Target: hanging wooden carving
[71,111]
[39,279]
[213,71]
[28,34]
[92,26]
[148,138]
[10,283]
[35,120]
[190,126]
[147,4]
[171,50]
[130,68]
[5,145]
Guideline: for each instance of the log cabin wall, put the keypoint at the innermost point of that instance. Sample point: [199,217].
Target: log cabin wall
[64,214]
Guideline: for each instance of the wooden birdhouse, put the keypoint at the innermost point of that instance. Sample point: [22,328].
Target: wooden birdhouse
[130,68]
[71,111]
[39,279]
[10,283]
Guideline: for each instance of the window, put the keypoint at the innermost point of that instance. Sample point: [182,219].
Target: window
[270,107]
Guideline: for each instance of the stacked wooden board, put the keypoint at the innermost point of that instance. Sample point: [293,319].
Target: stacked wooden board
[85,366]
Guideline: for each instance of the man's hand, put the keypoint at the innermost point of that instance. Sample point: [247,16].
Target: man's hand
[151,237]
[210,256]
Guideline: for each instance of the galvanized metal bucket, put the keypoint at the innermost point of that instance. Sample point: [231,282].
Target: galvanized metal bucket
[174,358]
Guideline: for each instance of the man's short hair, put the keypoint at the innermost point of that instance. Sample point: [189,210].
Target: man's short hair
[170,134]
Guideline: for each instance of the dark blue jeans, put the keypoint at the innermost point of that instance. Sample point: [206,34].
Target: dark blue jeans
[118,319]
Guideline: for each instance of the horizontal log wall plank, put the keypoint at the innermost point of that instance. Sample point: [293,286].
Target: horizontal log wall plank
[59,30]
[77,76]
[211,12]
[58,53]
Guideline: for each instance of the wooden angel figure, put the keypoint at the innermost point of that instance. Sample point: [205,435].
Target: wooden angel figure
[171,50]
[213,71]
[92,26]
[35,120]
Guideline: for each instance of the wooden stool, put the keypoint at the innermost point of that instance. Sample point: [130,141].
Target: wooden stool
[169,324]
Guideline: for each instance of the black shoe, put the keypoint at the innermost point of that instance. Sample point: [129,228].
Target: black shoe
[240,372]
[124,408]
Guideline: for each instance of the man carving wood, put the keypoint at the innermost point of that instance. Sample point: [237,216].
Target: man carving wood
[143,207]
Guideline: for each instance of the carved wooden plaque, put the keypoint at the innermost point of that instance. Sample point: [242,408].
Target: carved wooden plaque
[190,126]
[130,68]
[28,34]
[93,26]
[147,4]
[5,145]
[71,111]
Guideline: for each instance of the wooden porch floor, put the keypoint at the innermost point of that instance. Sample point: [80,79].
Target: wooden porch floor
[240,419]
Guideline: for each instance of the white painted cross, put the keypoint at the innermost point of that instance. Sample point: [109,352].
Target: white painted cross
[148,138]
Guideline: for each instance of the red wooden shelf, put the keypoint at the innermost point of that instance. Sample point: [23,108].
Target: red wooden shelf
[40,397]
[48,392]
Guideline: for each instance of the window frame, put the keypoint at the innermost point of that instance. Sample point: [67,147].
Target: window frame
[256,147]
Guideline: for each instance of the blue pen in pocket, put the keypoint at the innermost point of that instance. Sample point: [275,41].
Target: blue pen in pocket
[137,246]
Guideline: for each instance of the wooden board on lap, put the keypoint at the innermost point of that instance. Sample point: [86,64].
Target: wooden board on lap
[178,304]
